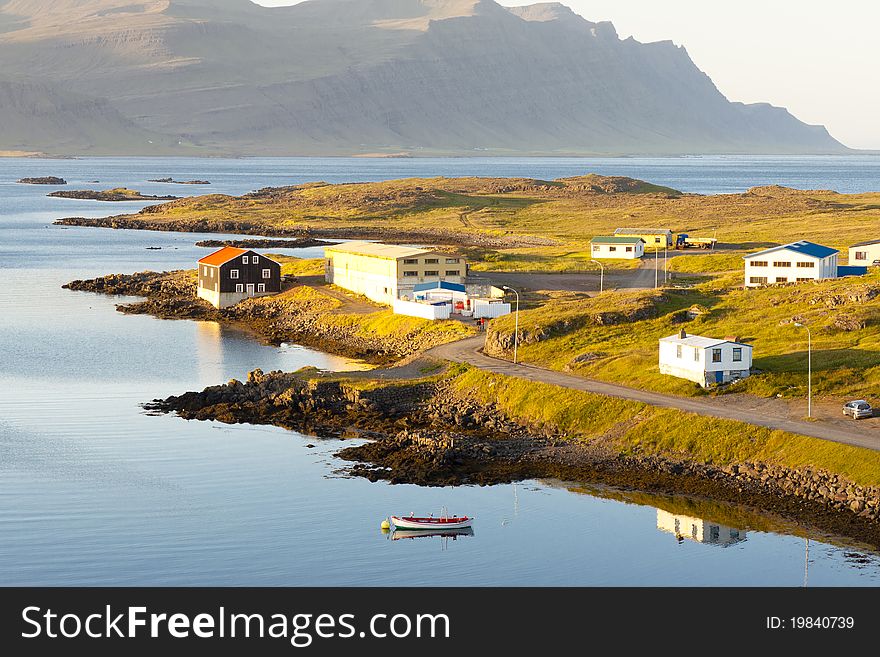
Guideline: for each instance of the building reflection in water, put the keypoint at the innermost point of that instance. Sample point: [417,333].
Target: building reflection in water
[209,351]
[698,529]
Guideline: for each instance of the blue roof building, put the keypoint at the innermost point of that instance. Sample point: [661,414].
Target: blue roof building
[797,262]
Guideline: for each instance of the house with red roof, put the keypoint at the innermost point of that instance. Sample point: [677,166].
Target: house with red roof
[231,275]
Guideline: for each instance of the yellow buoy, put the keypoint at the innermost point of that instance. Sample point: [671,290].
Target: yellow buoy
[385,525]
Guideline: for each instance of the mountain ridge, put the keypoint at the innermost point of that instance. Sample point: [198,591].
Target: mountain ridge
[339,77]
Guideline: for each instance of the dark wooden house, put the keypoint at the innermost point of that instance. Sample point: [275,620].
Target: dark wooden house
[231,275]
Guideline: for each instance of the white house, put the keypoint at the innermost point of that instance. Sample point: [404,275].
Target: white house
[865,254]
[706,361]
[791,263]
[627,248]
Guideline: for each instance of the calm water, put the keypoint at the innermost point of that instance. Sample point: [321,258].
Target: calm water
[92,491]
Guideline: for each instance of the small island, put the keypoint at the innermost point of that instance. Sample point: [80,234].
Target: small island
[117,194]
[45,180]
[172,181]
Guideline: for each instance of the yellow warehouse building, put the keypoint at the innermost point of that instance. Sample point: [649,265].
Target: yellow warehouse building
[385,272]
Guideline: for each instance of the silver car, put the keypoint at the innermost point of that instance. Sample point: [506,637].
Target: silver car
[858,409]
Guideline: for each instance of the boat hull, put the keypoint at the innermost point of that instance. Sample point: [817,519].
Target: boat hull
[431,524]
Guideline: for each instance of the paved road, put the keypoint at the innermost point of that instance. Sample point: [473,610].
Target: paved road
[469,351]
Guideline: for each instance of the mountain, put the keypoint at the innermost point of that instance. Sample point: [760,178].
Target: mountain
[362,76]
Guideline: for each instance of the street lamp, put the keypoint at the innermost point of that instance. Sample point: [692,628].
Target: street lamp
[656,267]
[601,275]
[515,321]
[809,368]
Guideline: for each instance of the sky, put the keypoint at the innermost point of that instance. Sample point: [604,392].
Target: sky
[819,59]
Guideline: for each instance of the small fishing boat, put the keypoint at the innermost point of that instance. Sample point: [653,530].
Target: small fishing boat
[445,521]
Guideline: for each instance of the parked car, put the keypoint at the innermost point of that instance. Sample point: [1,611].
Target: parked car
[858,409]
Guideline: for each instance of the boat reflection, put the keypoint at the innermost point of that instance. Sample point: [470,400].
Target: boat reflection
[699,530]
[443,534]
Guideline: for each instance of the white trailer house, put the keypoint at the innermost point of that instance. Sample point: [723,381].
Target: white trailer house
[706,361]
[627,248]
[791,263]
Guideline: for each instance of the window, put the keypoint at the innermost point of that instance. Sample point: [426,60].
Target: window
[267,273]
[758,280]
[432,272]
[451,261]
[781,264]
[596,248]
[411,261]
[255,259]
[629,249]
[233,273]
[716,355]
[244,260]
[204,271]
[410,273]
[807,265]
[261,287]
[432,261]
[737,354]
[656,240]
[714,533]
[239,287]
[678,351]
[696,354]
[804,280]
[860,255]
[452,272]
[758,263]
[781,279]
[612,248]
[211,272]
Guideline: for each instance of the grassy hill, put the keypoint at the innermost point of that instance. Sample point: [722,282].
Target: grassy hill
[614,336]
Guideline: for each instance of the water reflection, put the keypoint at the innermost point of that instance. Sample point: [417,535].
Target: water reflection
[443,535]
[698,529]
[209,351]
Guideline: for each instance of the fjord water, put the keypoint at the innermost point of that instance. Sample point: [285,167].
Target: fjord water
[95,492]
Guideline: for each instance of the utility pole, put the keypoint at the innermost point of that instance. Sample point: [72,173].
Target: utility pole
[515,322]
[601,275]
[809,368]
[656,268]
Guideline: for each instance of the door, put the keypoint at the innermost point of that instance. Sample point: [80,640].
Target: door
[719,377]
[250,289]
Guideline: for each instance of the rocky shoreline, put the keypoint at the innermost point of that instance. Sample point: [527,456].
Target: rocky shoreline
[113,195]
[141,221]
[301,243]
[423,432]
[274,320]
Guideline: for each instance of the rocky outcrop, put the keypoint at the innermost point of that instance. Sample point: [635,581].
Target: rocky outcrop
[171,181]
[425,432]
[301,243]
[110,195]
[46,180]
